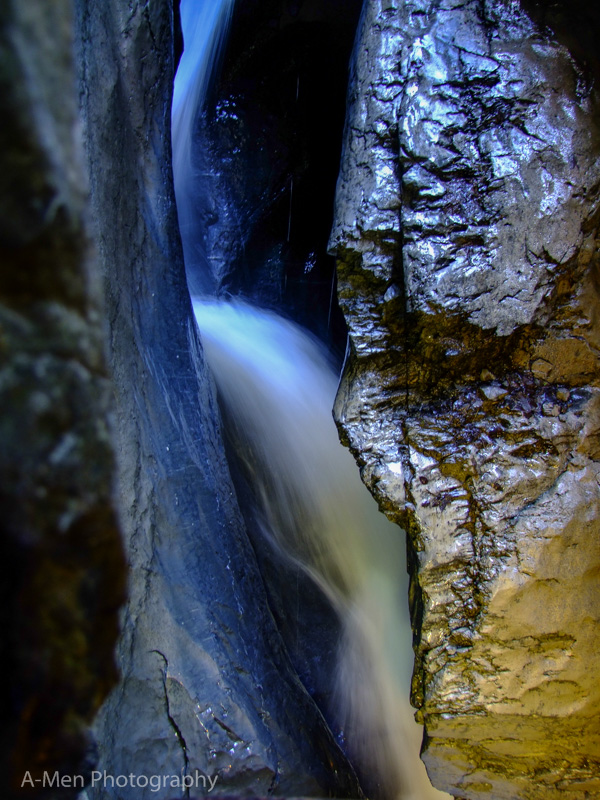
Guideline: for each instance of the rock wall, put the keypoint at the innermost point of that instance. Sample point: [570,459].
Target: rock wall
[207,687]
[466,235]
[61,553]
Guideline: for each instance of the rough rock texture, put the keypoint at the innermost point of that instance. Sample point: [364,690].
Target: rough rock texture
[207,686]
[467,241]
[61,554]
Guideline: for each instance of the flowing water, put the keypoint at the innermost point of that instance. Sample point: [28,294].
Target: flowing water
[278,388]
[205,24]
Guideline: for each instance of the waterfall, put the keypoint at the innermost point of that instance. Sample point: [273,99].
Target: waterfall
[278,388]
[205,24]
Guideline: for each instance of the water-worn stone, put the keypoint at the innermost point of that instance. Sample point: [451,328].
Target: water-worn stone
[207,687]
[467,241]
[61,553]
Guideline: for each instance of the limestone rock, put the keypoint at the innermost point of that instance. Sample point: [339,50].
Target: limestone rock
[467,241]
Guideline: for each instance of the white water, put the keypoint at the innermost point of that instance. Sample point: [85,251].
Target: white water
[279,389]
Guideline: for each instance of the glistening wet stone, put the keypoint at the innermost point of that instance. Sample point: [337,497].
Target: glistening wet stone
[466,234]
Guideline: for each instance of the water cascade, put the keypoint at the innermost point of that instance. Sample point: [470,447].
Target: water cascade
[205,24]
[278,388]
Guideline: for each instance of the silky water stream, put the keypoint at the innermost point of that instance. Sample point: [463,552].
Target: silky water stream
[277,387]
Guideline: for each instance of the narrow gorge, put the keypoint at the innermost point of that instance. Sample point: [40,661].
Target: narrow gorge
[197,587]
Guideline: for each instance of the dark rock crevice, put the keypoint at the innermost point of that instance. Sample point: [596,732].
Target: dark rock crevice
[268,151]
[180,738]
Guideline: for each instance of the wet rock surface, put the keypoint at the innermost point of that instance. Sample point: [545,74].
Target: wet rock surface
[61,552]
[467,242]
[207,687]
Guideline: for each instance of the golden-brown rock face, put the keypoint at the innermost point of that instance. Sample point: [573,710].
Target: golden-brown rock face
[467,240]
